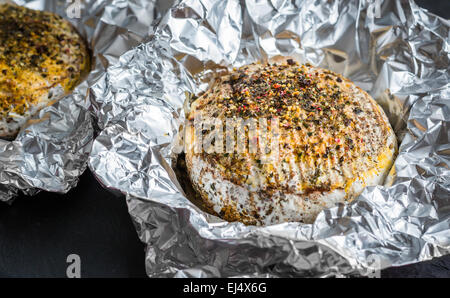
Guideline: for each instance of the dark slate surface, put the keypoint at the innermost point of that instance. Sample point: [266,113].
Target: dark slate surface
[38,233]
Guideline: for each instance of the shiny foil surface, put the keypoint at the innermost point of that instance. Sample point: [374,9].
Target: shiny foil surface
[395,50]
[52,150]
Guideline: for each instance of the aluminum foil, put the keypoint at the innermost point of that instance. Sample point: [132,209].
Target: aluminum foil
[51,152]
[395,50]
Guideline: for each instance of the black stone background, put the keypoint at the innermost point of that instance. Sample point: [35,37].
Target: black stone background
[38,233]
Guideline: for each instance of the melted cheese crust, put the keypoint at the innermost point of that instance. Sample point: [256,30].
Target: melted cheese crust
[41,58]
[334,140]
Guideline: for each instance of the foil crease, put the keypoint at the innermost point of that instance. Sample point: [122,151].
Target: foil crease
[395,50]
[52,150]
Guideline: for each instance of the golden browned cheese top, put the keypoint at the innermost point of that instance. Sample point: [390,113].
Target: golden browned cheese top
[38,50]
[331,131]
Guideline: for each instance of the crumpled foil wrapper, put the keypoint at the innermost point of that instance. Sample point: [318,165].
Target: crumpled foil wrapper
[52,151]
[395,50]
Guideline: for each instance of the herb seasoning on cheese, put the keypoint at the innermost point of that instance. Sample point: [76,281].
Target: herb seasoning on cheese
[333,137]
[41,57]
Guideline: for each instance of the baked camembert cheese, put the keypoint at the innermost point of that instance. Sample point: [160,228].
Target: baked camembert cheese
[41,58]
[333,141]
